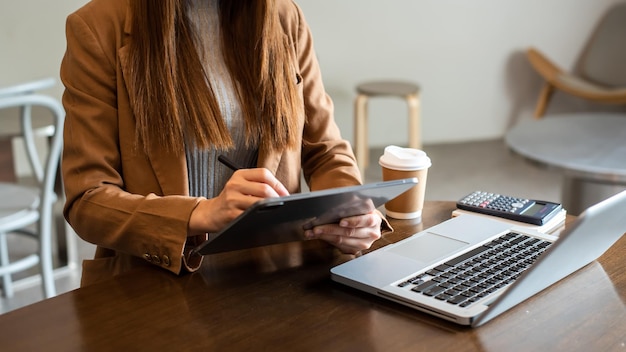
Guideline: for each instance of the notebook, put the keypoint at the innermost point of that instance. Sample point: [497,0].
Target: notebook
[470,269]
[284,219]
[552,226]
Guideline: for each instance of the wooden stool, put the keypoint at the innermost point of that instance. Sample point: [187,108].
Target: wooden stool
[408,91]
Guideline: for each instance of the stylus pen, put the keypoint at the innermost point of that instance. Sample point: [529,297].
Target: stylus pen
[231,165]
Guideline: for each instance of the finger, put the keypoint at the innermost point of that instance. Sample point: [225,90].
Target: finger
[359,238]
[280,189]
[332,230]
[349,239]
[370,220]
[260,183]
[271,180]
[349,245]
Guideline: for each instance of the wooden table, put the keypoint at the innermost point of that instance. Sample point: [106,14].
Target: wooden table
[589,148]
[281,298]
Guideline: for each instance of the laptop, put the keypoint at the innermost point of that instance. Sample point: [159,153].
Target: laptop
[470,269]
[284,219]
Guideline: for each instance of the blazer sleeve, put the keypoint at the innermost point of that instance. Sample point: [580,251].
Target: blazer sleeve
[98,153]
[327,158]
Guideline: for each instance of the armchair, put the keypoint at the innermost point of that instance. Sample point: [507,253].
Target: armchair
[602,66]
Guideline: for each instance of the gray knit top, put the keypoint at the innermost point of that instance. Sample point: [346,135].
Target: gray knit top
[207,176]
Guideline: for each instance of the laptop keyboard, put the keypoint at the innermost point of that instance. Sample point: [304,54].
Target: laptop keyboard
[479,272]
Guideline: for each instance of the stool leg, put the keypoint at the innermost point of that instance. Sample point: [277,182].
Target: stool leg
[360,132]
[414,121]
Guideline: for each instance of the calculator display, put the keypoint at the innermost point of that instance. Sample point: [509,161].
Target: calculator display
[534,209]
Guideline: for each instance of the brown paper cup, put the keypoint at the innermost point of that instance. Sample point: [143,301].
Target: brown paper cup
[409,204]
[400,163]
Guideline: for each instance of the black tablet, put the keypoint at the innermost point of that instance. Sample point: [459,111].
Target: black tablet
[284,219]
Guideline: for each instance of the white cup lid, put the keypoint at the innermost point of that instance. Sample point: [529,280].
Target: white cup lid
[404,159]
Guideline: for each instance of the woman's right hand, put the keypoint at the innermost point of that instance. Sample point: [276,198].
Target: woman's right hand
[244,188]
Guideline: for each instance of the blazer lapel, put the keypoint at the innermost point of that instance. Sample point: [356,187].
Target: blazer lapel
[171,172]
[269,160]
[169,168]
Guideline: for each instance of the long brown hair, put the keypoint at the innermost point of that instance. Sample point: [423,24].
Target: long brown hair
[171,97]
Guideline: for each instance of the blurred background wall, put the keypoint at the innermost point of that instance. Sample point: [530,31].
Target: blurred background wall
[466,55]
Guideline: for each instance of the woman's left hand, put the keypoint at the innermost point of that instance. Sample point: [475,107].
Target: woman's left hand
[352,234]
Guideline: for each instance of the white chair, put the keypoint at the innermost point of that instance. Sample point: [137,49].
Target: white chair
[28,210]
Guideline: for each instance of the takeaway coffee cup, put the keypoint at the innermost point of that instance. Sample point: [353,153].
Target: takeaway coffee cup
[399,163]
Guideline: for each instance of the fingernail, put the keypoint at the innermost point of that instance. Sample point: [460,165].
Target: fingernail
[343,223]
[308,234]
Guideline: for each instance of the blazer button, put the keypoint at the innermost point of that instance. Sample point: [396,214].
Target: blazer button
[147,257]
[166,260]
[156,259]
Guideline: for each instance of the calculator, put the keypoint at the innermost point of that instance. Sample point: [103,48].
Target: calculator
[518,209]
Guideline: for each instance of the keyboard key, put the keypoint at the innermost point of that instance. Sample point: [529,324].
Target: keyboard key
[466,256]
[443,297]
[423,286]
[434,290]
[457,299]
[442,268]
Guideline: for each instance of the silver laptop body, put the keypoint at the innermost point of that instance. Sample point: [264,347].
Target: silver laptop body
[397,271]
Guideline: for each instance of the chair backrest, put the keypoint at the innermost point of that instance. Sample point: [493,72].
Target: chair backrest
[604,59]
[38,209]
[44,172]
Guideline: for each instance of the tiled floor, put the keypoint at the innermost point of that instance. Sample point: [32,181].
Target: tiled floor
[457,170]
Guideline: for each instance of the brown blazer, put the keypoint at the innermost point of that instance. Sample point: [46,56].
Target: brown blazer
[136,208]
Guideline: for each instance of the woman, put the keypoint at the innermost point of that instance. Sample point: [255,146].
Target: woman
[156,90]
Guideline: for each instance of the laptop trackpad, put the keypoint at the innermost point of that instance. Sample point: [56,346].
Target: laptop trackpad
[428,247]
